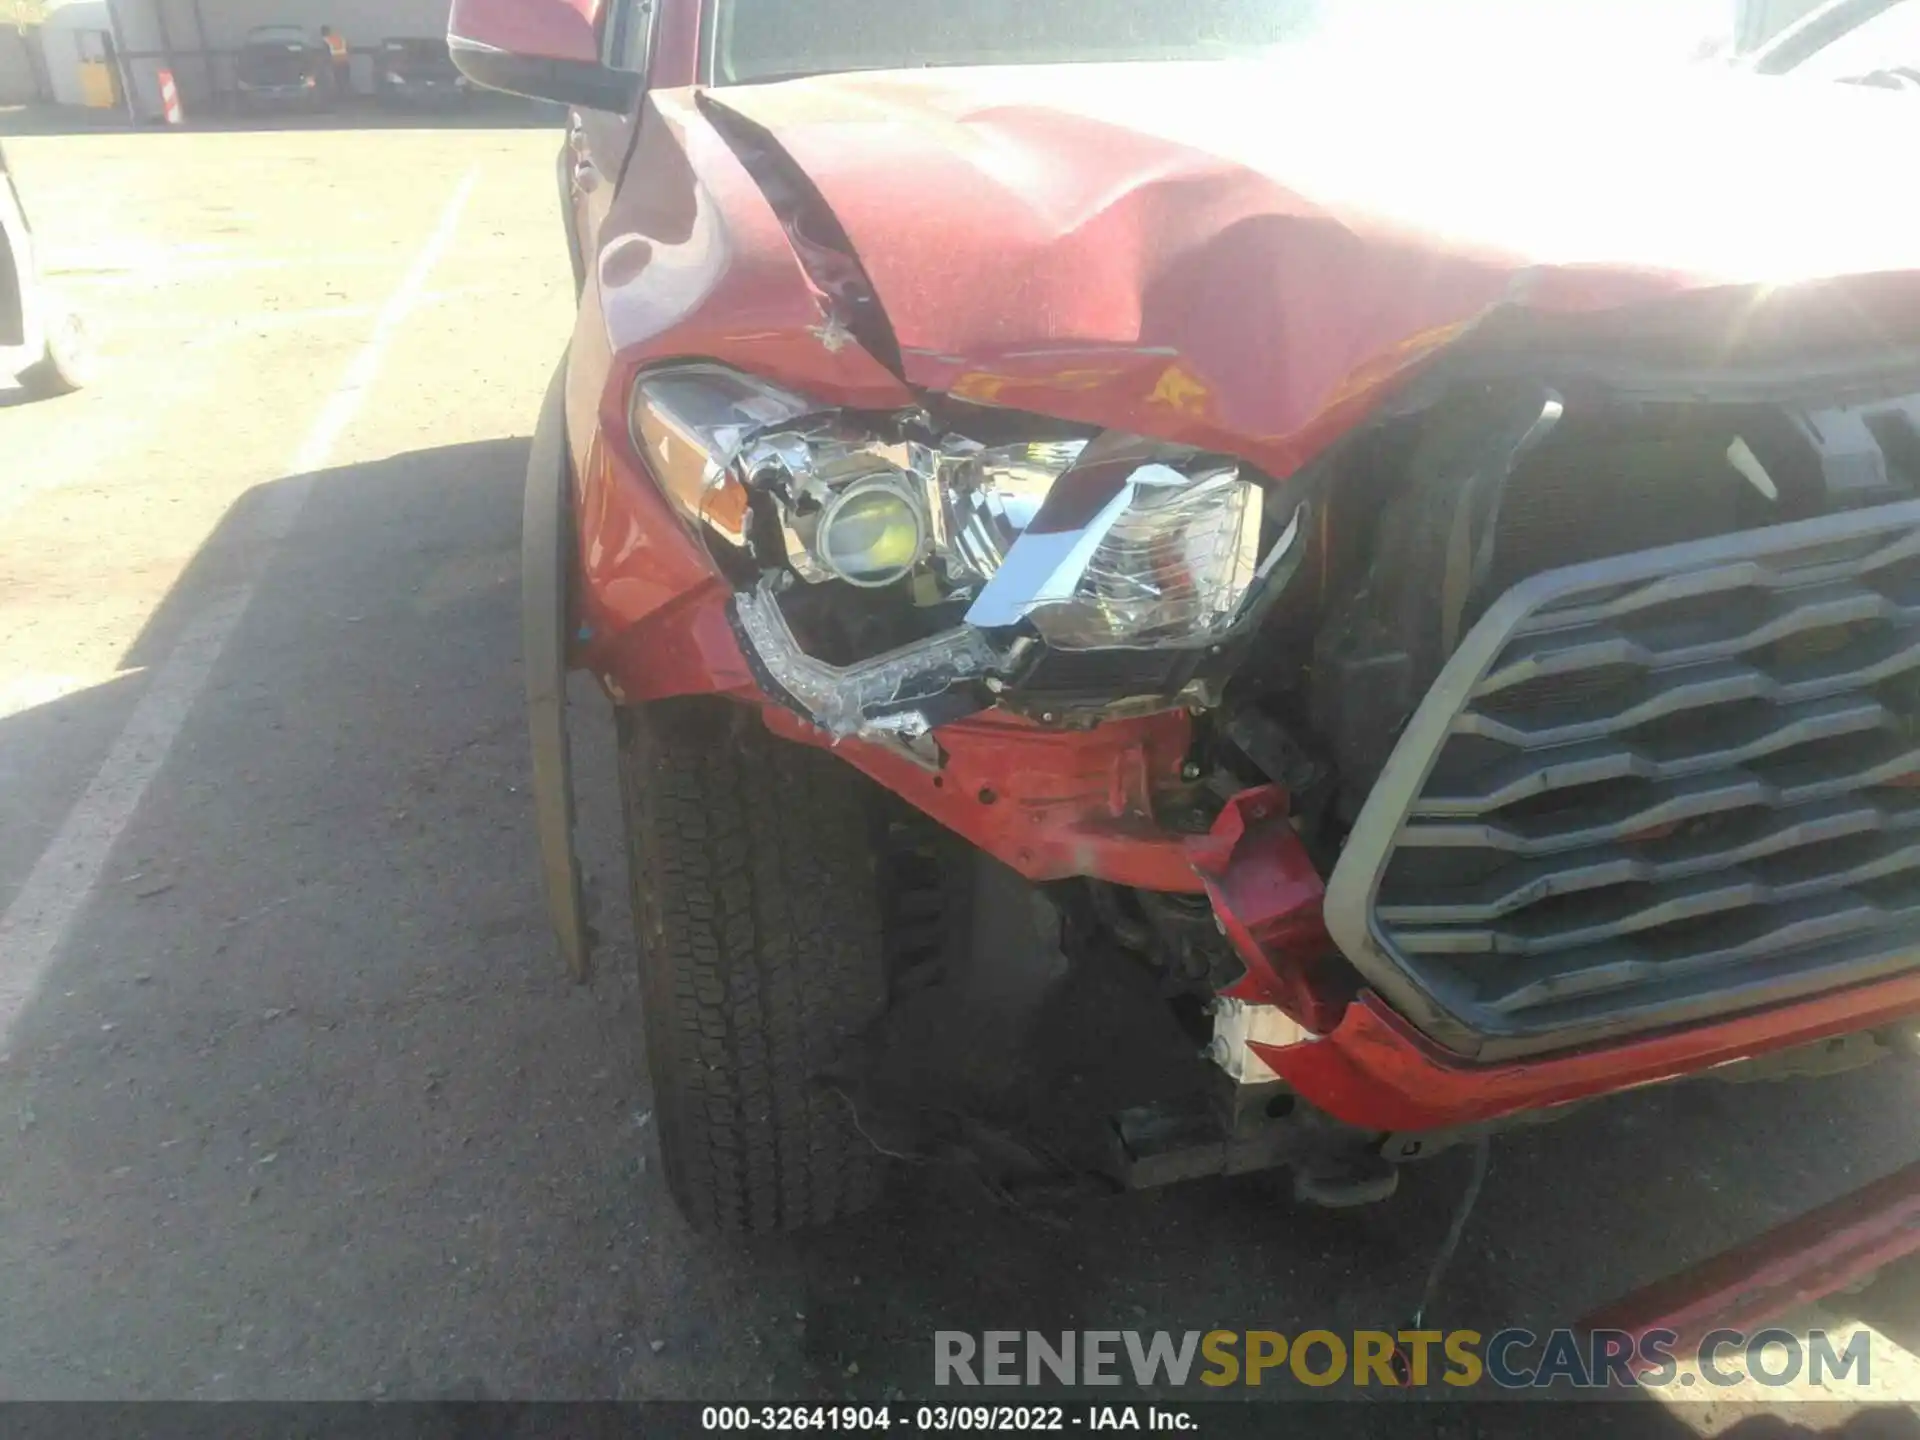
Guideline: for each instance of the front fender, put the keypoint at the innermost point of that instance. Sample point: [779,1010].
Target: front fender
[547,566]
[569,219]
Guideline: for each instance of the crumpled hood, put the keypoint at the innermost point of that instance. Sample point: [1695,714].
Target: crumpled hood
[1239,254]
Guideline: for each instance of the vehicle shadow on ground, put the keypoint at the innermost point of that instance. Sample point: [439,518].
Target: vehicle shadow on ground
[12,394]
[305,1108]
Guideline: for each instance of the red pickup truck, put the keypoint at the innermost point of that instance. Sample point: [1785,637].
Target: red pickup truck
[1423,552]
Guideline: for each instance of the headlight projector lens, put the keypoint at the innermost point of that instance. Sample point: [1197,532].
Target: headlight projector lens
[872,534]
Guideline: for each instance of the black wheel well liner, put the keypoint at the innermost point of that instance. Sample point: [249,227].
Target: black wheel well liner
[546,594]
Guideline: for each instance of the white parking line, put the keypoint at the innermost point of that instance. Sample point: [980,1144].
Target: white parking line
[35,926]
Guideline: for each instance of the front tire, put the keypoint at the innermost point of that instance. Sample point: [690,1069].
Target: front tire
[758,923]
[66,365]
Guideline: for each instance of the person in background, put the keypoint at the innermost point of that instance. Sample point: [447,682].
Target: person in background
[342,62]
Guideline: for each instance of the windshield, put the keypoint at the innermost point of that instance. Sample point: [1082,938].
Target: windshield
[753,40]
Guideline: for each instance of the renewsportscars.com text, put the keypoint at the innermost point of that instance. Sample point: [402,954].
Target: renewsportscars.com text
[1512,1359]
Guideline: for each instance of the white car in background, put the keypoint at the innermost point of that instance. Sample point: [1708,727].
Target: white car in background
[41,348]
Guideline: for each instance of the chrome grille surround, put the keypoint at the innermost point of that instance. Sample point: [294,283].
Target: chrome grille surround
[1653,789]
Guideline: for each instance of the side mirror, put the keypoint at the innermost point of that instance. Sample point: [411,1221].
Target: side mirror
[546,49]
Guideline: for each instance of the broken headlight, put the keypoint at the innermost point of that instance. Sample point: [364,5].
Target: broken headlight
[1112,543]
[691,423]
[871,532]
[1120,541]
[1131,552]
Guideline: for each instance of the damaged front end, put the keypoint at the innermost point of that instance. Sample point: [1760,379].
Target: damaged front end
[1294,655]
[898,572]
[1590,709]
[1030,629]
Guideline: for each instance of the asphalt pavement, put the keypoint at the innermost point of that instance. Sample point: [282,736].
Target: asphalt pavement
[295,1101]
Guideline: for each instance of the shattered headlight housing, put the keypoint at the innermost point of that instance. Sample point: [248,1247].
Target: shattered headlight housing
[1117,542]
[1130,551]
[691,423]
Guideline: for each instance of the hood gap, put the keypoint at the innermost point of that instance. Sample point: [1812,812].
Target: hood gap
[820,242]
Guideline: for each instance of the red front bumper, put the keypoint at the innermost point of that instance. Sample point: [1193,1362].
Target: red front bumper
[1375,1071]
[1372,1069]
[1077,803]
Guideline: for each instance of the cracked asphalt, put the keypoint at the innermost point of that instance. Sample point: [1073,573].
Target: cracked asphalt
[298,1104]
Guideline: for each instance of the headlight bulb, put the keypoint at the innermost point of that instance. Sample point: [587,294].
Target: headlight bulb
[873,532]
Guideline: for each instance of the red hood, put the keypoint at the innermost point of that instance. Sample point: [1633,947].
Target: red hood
[1239,255]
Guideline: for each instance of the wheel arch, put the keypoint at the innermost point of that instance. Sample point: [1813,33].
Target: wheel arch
[548,562]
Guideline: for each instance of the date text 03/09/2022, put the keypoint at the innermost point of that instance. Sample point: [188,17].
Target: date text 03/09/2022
[988,1419]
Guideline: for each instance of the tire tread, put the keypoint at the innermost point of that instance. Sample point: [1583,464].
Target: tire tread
[758,924]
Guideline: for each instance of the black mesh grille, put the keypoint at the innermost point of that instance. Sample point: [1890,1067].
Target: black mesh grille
[1677,783]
